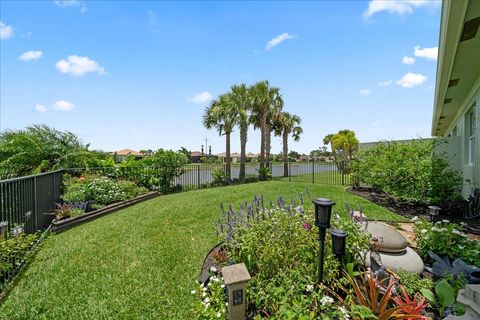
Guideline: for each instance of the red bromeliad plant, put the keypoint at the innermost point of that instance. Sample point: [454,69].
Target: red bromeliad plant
[371,293]
[415,306]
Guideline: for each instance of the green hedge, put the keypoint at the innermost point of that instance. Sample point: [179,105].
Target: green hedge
[408,171]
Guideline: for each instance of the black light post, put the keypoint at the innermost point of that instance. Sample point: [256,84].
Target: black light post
[323,213]
[339,239]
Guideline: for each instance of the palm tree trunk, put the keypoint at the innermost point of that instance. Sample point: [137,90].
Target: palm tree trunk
[268,140]
[262,141]
[285,154]
[228,171]
[243,146]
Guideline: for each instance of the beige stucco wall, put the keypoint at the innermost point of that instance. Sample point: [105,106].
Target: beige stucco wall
[458,150]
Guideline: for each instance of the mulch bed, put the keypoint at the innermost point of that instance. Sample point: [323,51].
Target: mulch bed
[450,211]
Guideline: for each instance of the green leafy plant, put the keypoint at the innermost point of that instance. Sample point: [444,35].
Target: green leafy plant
[264,174]
[408,171]
[412,282]
[14,251]
[443,297]
[446,239]
[219,178]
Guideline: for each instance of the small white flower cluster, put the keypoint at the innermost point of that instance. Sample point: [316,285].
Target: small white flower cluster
[326,300]
[345,315]
[414,219]
[310,287]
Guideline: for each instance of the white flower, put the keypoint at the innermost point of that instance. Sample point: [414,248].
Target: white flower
[443,229]
[310,287]
[219,314]
[455,231]
[435,229]
[461,247]
[326,300]
[226,303]
[424,231]
[206,300]
[213,269]
[414,219]
[207,305]
[446,221]
[222,286]
[204,294]
[193,292]
[204,289]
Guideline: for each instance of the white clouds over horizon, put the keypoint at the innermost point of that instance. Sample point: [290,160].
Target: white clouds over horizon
[30,55]
[278,39]
[62,105]
[397,6]
[40,108]
[71,4]
[427,53]
[411,80]
[79,66]
[6,32]
[408,60]
[201,97]
[365,92]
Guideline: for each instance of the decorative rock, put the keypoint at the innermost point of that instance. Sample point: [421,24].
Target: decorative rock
[407,260]
[390,239]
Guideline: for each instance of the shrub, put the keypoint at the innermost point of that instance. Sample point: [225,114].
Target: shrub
[412,282]
[446,239]
[100,190]
[408,172]
[13,252]
[219,178]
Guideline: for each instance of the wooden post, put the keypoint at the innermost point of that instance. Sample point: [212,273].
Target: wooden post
[235,277]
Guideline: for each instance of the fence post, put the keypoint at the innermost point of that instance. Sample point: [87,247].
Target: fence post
[198,176]
[35,205]
[343,173]
[313,170]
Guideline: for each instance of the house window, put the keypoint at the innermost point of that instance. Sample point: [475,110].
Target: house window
[470,136]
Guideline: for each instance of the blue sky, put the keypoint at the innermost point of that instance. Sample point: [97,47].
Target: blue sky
[139,74]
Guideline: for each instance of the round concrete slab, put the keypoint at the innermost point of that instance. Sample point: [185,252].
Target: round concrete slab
[390,239]
[408,260]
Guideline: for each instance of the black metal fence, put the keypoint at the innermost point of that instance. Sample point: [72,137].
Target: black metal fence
[23,202]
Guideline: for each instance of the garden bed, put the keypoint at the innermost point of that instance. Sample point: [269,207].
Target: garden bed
[64,224]
[452,211]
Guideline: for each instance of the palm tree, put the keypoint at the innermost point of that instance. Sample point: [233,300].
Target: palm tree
[346,141]
[286,124]
[241,100]
[276,106]
[264,99]
[222,116]
[329,140]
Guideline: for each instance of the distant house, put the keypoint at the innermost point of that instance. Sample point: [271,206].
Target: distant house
[456,112]
[121,155]
[316,158]
[235,156]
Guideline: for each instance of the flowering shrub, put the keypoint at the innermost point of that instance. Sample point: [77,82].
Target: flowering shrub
[445,238]
[211,299]
[99,189]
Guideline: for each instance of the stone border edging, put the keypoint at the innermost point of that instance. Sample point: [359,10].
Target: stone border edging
[65,224]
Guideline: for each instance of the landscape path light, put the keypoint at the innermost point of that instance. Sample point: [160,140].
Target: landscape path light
[339,241]
[433,212]
[323,214]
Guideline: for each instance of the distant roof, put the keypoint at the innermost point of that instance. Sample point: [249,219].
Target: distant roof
[126,152]
[196,154]
[237,155]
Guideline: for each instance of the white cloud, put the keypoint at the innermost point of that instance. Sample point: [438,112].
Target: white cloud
[79,66]
[62,105]
[385,83]
[365,92]
[71,4]
[411,80]
[408,60]
[40,108]
[397,6]
[278,39]
[201,97]
[30,55]
[427,53]
[6,32]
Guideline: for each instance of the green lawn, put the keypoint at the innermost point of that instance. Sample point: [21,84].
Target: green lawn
[141,262]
